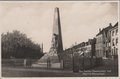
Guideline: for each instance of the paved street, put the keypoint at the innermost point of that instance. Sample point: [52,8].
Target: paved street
[35,72]
[38,72]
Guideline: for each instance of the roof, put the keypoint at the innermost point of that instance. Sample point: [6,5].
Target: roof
[116,25]
[105,30]
[74,47]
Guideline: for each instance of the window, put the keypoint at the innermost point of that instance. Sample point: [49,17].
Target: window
[98,53]
[112,52]
[116,41]
[116,51]
[116,31]
[112,33]
[112,42]
[97,40]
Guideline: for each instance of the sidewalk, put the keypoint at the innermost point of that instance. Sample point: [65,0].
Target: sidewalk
[39,72]
[16,71]
[36,69]
[36,72]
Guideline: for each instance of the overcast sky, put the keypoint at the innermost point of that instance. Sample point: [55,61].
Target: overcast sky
[79,20]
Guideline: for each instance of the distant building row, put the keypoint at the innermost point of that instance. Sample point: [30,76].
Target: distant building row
[104,44]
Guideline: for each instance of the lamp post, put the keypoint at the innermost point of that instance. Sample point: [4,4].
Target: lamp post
[91,59]
[83,50]
[83,60]
[75,61]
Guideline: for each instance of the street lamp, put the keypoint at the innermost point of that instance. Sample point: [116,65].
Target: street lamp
[75,61]
[83,50]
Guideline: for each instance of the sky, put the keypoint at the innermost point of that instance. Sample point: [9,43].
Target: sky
[80,20]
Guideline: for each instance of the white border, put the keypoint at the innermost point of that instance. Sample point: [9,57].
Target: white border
[65,77]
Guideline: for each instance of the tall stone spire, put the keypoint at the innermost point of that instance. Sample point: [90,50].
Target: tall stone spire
[56,44]
[56,48]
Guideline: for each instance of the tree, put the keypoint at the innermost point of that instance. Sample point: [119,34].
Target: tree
[17,45]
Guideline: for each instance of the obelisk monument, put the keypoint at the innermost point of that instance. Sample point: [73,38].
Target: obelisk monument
[56,43]
[56,49]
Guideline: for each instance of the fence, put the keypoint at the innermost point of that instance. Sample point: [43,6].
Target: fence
[69,62]
[18,62]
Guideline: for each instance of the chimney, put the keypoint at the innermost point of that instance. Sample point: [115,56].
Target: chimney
[110,24]
[99,29]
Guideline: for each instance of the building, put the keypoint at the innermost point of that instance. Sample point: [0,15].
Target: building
[99,44]
[114,40]
[93,47]
[103,42]
[88,48]
[80,56]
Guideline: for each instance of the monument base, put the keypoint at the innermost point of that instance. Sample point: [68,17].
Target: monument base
[45,65]
[52,58]
[49,61]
